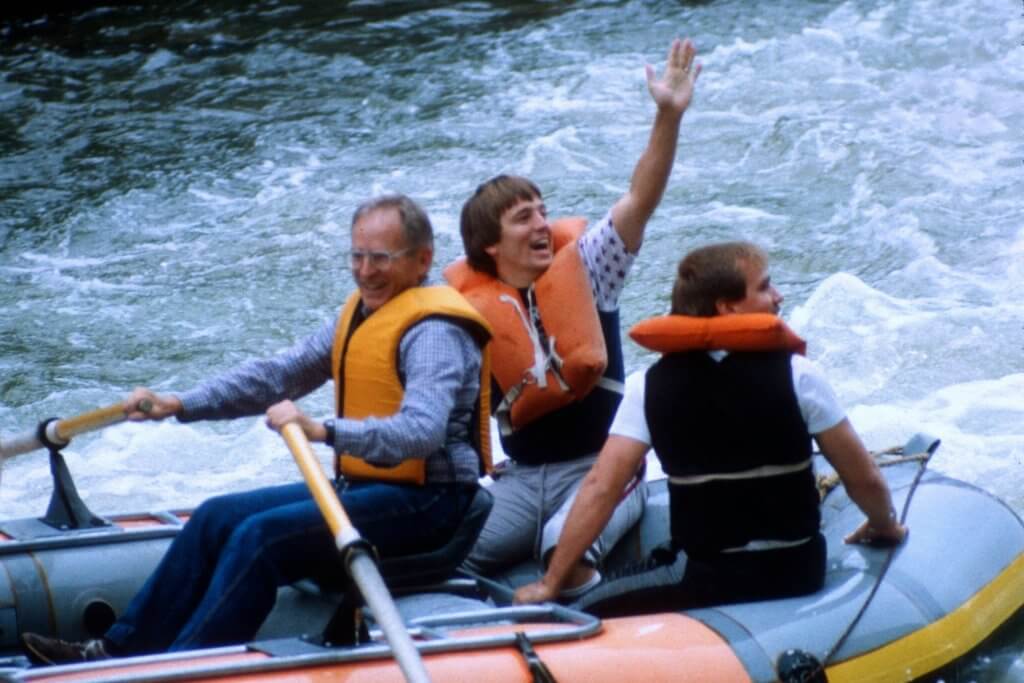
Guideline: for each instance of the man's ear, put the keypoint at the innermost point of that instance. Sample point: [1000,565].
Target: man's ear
[724,307]
[424,259]
[491,250]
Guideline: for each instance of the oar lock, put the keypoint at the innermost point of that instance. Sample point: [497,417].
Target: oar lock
[49,436]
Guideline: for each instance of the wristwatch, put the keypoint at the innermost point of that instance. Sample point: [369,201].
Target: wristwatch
[329,428]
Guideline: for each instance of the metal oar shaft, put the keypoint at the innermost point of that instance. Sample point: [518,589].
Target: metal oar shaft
[364,572]
[360,565]
[16,445]
[61,431]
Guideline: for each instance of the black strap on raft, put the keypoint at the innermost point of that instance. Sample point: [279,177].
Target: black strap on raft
[66,509]
[348,627]
[539,670]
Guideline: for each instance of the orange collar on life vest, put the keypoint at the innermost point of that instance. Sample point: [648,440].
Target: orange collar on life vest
[733,332]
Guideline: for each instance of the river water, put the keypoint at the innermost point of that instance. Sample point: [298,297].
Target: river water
[177,179]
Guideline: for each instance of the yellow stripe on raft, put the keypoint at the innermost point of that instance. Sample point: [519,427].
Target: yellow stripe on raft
[943,641]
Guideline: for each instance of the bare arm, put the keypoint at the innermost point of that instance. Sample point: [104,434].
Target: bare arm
[600,492]
[864,484]
[672,94]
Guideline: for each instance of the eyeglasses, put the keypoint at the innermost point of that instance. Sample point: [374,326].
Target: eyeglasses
[377,259]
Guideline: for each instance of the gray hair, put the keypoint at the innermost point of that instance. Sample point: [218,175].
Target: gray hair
[419,234]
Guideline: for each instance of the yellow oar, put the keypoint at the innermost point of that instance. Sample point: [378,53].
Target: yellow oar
[361,566]
[60,432]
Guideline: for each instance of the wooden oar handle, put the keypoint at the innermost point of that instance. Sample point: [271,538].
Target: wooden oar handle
[319,485]
[59,432]
[95,419]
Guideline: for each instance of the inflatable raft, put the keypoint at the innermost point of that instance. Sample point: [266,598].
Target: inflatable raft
[884,615]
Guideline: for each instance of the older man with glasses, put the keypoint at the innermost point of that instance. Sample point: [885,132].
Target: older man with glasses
[406,360]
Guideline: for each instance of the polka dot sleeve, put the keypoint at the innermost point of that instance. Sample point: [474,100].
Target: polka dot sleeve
[607,261]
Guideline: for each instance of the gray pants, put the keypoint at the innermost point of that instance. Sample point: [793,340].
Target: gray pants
[531,504]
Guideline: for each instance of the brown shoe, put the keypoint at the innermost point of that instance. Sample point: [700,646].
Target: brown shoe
[43,650]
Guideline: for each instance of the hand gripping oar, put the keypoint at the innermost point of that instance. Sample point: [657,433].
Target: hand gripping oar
[59,432]
[360,564]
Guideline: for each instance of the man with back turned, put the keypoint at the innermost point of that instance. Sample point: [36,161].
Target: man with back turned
[733,432]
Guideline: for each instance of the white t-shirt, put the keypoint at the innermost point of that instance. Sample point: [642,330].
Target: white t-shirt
[818,403]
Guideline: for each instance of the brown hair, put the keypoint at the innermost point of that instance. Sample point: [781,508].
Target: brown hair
[480,223]
[712,273]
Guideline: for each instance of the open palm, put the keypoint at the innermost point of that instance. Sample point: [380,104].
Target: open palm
[675,87]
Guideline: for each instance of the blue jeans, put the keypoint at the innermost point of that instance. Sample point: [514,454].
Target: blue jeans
[219,578]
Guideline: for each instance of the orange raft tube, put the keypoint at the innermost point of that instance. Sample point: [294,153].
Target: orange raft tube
[626,649]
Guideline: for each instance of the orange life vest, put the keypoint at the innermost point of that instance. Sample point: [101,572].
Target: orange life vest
[369,386]
[734,332]
[534,380]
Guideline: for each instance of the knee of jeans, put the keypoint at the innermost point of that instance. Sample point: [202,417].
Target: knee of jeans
[250,533]
[206,518]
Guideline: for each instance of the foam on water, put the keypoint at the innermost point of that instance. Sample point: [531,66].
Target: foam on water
[135,467]
[840,97]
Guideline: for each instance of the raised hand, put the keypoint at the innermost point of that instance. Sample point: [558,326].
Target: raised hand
[675,87]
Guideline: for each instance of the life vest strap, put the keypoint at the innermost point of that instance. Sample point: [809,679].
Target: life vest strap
[755,473]
[545,358]
[612,385]
[503,413]
[758,545]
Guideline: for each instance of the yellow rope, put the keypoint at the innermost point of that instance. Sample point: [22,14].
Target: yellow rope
[827,482]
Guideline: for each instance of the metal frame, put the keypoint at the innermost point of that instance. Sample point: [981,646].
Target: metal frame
[429,632]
